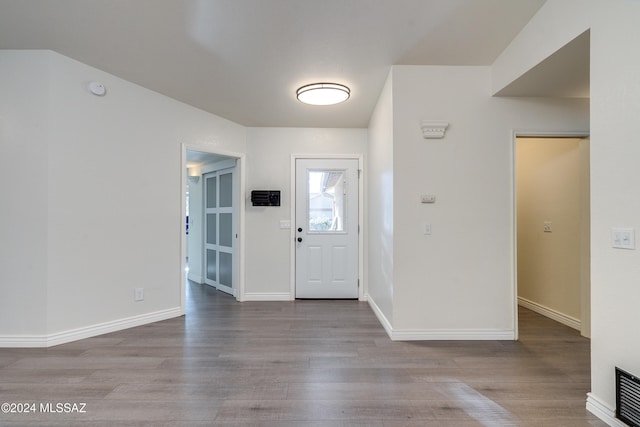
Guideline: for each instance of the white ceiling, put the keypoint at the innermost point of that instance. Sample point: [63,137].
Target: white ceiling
[244,59]
[195,158]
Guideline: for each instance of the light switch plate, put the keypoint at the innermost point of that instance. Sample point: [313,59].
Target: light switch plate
[623,238]
[285,223]
[427,229]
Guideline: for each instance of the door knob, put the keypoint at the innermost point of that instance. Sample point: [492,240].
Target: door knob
[299,239]
[299,229]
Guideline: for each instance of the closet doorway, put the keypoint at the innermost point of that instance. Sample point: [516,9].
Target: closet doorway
[553,227]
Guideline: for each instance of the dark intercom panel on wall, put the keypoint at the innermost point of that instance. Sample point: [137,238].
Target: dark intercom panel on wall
[265,197]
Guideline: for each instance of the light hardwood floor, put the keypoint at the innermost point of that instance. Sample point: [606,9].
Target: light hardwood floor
[303,363]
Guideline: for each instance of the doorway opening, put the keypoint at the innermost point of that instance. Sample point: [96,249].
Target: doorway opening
[212,203]
[552,228]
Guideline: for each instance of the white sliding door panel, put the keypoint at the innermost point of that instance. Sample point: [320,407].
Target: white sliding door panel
[220,230]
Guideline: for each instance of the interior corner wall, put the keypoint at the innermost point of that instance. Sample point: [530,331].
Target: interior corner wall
[459,279]
[269,151]
[24,99]
[111,171]
[549,189]
[380,204]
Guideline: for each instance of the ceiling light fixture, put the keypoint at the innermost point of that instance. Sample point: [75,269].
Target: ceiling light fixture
[323,94]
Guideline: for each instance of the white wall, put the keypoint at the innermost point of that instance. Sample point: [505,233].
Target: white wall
[380,204]
[460,278]
[112,170]
[548,189]
[615,106]
[24,99]
[269,150]
[456,283]
[615,129]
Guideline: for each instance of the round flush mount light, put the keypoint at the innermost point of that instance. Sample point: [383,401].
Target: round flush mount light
[323,93]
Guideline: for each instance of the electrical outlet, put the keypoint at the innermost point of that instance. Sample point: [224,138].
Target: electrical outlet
[138,294]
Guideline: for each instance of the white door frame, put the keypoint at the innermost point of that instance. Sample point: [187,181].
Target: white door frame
[514,208]
[241,164]
[292,274]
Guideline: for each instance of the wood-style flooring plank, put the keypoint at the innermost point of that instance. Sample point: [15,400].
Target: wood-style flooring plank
[300,364]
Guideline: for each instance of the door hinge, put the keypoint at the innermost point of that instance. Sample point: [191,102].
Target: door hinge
[358,283]
[359,170]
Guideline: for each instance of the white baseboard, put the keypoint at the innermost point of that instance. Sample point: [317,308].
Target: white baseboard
[276,296]
[569,321]
[453,335]
[197,278]
[436,335]
[598,408]
[381,317]
[23,341]
[88,331]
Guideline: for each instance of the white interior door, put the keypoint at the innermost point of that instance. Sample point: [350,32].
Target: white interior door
[326,228]
[219,230]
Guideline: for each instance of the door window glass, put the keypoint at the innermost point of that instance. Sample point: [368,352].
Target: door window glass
[226,269]
[226,190]
[212,268]
[212,239]
[226,230]
[212,192]
[326,200]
